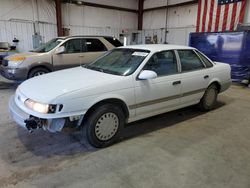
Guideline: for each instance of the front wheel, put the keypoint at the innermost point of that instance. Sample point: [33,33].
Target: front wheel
[103,126]
[209,99]
[37,72]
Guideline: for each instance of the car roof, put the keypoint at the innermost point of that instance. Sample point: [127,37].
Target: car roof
[75,36]
[157,47]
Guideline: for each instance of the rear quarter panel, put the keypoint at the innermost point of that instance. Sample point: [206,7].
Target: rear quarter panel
[221,73]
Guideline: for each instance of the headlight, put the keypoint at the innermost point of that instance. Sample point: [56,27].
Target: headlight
[40,107]
[15,61]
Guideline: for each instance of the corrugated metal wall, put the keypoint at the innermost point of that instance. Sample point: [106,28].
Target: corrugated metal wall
[81,30]
[23,31]
[20,30]
[47,31]
[180,22]
[18,17]
[84,20]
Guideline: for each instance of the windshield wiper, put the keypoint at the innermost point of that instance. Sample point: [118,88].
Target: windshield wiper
[111,72]
[94,68]
[102,70]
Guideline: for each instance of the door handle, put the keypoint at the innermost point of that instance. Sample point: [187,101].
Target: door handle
[206,77]
[176,83]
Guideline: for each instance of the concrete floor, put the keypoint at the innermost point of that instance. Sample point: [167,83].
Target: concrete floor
[181,149]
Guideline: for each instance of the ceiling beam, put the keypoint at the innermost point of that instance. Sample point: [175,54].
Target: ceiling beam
[173,5]
[100,6]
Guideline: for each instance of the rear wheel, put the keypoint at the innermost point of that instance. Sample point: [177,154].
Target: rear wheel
[37,72]
[209,99]
[103,126]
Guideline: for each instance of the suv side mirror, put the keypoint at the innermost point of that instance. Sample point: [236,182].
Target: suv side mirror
[147,74]
[60,50]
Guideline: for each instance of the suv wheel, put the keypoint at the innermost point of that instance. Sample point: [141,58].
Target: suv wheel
[103,127]
[37,72]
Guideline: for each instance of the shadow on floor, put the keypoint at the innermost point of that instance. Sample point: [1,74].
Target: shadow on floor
[155,123]
[43,143]
[8,85]
[47,144]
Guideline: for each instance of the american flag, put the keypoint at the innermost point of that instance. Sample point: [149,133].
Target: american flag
[219,15]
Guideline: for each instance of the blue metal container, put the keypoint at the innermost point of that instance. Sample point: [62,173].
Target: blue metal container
[228,47]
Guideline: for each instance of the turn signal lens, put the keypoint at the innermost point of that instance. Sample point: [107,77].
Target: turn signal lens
[17,58]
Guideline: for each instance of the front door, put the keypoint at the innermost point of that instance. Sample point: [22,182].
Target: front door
[162,93]
[71,56]
[78,51]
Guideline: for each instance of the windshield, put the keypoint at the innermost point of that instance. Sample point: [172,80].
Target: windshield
[121,61]
[48,46]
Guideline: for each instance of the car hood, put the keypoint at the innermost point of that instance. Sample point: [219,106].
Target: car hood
[48,87]
[26,55]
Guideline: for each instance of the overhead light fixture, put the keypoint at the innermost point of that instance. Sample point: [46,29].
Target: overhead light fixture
[79,2]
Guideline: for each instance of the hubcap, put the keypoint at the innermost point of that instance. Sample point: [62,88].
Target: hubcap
[39,73]
[211,95]
[106,126]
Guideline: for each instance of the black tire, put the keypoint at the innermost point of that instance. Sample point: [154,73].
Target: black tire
[37,71]
[209,98]
[97,122]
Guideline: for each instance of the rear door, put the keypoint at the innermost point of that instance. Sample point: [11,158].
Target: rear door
[195,76]
[93,48]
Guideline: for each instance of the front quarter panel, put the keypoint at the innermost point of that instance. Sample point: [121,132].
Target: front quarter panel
[78,102]
[37,59]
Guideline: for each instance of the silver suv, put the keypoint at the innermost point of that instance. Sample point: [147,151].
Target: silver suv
[58,53]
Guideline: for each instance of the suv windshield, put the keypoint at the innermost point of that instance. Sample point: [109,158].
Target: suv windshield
[48,46]
[121,61]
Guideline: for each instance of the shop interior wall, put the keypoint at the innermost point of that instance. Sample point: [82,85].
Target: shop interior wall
[172,25]
[23,18]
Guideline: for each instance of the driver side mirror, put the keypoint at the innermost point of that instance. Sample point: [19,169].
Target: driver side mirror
[60,50]
[147,75]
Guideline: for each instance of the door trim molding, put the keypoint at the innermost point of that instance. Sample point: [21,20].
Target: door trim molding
[151,102]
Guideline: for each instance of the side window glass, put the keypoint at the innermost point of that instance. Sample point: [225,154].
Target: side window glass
[73,46]
[204,59]
[189,60]
[163,63]
[95,45]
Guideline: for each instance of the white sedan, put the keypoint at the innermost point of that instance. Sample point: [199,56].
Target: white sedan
[126,84]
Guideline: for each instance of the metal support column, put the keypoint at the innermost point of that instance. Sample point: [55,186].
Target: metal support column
[59,18]
[140,14]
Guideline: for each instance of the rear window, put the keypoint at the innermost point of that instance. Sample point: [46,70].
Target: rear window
[189,60]
[95,45]
[204,59]
[115,42]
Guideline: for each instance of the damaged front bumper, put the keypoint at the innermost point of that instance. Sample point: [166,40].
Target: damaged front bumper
[30,122]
